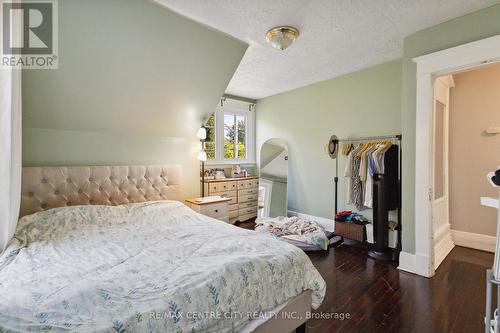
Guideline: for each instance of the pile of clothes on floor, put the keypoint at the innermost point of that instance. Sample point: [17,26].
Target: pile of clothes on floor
[305,234]
[350,216]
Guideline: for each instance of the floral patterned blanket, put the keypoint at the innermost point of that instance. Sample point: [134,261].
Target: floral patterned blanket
[302,233]
[146,267]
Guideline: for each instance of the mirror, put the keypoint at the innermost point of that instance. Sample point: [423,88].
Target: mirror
[273,200]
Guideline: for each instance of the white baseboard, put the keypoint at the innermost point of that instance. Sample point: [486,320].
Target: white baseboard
[423,265]
[328,224]
[407,262]
[414,263]
[443,248]
[474,241]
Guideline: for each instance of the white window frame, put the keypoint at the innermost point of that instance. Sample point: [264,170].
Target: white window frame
[241,109]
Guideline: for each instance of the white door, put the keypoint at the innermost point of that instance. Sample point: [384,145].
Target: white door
[439,191]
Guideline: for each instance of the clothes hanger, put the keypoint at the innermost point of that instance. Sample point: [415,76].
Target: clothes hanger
[385,148]
[362,146]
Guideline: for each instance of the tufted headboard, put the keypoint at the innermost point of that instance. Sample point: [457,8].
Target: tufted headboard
[50,187]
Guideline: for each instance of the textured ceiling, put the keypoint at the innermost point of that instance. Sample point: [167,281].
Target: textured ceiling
[337,36]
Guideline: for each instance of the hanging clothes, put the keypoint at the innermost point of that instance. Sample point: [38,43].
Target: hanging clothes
[391,172]
[357,188]
[348,177]
[368,193]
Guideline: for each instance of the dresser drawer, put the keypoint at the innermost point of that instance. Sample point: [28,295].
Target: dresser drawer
[248,204]
[248,191]
[215,210]
[246,198]
[251,213]
[241,184]
[233,214]
[213,188]
[247,211]
[233,207]
[229,194]
[224,186]
[251,183]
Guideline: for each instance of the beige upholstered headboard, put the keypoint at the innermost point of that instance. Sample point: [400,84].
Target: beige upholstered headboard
[50,187]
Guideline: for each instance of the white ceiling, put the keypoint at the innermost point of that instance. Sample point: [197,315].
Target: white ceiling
[337,36]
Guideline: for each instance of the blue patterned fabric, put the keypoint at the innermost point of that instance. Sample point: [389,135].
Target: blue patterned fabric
[147,267]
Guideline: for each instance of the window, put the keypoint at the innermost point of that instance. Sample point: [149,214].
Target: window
[235,138]
[231,133]
[210,141]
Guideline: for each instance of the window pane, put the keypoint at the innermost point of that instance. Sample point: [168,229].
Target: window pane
[210,134]
[210,140]
[210,150]
[210,154]
[242,136]
[229,135]
[211,121]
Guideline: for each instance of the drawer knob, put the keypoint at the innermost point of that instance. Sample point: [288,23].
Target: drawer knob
[216,210]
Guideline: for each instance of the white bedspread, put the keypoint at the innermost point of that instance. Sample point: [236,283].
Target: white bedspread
[148,267]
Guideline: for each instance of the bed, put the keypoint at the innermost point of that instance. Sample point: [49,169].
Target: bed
[106,249]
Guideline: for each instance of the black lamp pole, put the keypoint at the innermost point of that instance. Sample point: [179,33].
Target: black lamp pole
[202,171]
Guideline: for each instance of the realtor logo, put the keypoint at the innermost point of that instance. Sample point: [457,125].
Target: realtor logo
[29,34]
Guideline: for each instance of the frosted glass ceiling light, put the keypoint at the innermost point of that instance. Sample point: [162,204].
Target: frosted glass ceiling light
[282,37]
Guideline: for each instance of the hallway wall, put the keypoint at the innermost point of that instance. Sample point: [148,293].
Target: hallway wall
[474,106]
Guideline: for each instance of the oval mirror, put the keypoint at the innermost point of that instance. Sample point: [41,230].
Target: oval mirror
[273,200]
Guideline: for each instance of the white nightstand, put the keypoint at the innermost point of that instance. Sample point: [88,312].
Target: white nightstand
[216,207]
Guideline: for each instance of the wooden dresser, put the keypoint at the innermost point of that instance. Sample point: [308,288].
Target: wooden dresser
[243,192]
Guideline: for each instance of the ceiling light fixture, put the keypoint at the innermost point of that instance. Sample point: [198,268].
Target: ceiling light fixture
[282,37]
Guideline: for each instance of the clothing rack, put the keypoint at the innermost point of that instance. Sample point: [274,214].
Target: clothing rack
[397,137]
[370,138]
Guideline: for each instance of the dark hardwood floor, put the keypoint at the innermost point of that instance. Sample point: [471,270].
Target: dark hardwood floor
[380,298]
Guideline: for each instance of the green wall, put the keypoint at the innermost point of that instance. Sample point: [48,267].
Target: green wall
[363,103]
[478,25]
[134,82]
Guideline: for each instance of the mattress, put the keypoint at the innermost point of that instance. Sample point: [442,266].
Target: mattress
[145,267]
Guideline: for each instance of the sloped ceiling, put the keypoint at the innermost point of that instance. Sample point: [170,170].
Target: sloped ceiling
[133,67]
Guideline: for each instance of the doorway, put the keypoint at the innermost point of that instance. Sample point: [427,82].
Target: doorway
[439,193]
[429,67]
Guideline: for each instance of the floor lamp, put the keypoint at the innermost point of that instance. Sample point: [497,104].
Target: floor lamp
[202,156]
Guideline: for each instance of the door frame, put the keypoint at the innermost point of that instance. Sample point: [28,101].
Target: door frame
[442,241]
[467,56]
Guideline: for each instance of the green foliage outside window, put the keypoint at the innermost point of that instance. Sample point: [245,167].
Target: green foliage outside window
[233,134]
[210,141]
[231,131]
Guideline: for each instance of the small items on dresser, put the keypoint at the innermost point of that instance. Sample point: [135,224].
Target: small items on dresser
[235,170]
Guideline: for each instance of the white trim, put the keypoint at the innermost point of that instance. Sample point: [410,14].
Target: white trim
[328,224]
[471,55]
[462,57]
[442,248]
[239,108]
[474,241]
[407,262]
